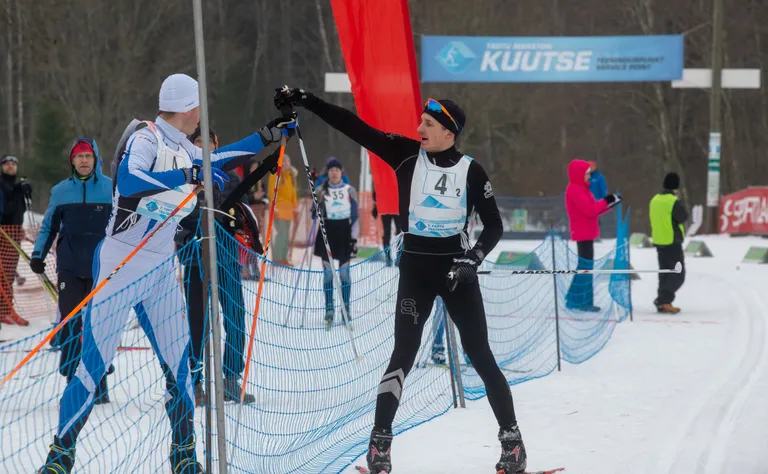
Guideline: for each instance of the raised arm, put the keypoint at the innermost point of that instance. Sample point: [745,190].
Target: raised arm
[391,148]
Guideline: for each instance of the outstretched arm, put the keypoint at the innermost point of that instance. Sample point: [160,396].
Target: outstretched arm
[392,148]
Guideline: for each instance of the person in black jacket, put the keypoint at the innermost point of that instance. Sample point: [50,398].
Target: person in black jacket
[439,188]
[230,285]
[668,214]
[14,195]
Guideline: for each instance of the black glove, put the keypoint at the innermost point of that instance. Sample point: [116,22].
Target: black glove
[194,175]
[464,269]
[25,187]
[37,265]
[273,131]
[285,96]
[353,248]
[375,211]
[612,199]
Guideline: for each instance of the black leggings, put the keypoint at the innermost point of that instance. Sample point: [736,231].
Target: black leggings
[415,297]
[233,315]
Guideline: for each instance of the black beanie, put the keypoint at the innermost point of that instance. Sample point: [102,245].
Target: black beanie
[446,121]
[334,164]
[671,181]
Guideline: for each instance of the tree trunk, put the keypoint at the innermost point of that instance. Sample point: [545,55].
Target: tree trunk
[324,37]
[9,79]
[20,79]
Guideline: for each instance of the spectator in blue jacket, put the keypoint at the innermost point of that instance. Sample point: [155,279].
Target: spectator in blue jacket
[77,216]
[597,183]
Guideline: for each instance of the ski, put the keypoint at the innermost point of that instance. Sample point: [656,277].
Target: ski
[364,470]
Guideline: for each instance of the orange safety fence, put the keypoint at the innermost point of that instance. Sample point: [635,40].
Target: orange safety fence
[21,291]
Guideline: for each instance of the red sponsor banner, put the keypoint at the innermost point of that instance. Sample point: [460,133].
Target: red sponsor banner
[377,42]
[745,212]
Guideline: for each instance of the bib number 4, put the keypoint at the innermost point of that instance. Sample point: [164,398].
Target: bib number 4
[441,184]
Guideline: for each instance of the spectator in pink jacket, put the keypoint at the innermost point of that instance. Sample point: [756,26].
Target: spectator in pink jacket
[583,212]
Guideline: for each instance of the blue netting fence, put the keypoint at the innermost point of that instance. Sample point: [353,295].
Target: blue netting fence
[314,403]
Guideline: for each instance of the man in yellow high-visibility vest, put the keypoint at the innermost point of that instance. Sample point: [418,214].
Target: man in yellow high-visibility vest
[668,213]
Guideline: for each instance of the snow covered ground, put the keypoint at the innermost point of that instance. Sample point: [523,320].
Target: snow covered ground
[668,394]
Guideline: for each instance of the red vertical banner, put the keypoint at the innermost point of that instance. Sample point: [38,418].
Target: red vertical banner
[377,43]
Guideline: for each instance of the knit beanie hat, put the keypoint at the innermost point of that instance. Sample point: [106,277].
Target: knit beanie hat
[443,119]
[179,93]
[671,181]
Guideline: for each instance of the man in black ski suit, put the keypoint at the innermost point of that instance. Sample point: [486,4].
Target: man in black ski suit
[439,188]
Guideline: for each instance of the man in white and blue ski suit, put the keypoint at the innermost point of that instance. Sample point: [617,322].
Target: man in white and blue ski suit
[157,170]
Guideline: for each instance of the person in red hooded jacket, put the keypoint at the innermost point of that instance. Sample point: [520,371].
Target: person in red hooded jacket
[583,212]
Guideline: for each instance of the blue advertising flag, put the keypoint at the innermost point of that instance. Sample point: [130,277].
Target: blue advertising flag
[551,59]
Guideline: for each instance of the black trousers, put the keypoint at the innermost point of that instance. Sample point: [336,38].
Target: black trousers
[669,283]
[422,279]
[72,290]
[233,314]
[580,292]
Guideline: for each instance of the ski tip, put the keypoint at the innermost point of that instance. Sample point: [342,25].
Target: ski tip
[362,470]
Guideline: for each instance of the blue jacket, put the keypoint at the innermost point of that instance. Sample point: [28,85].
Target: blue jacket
[597,185]
[76,218]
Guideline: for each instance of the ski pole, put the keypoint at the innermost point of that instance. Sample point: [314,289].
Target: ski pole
[46,282]
[309,276]
[334,271]
[98,287]
[678,269]
[267,240]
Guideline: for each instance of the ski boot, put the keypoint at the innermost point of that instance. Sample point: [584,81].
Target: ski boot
[232,392]
[513,457]
[378,457]
[183,459]
[60,459]
[328,318]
